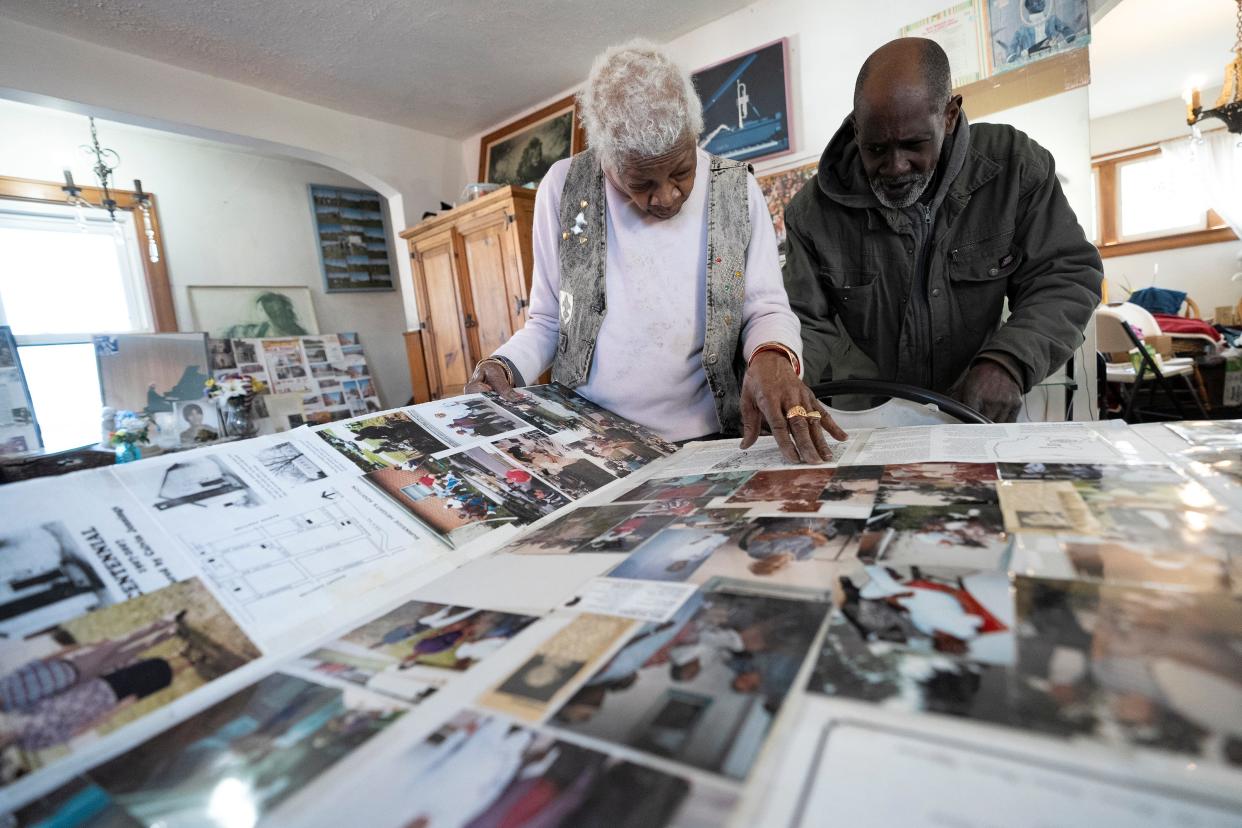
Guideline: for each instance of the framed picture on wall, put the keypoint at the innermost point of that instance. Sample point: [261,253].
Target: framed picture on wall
[249,312]
[1022,33]
[747,111]
[353,239]
[521,152]
[778,189]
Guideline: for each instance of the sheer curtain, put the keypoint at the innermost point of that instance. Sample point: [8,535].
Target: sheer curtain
[1214,160]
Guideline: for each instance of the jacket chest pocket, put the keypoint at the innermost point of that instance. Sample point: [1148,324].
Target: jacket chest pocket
[853,297]
[988,260]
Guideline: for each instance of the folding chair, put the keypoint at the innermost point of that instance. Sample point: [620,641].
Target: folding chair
[1115,335]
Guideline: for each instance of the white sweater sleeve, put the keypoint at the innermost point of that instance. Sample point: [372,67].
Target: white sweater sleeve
[766,316]
[532,348]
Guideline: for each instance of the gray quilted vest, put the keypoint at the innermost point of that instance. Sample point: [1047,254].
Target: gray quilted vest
[584,257]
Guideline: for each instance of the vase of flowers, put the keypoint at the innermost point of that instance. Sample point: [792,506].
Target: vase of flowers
[237,393]
[129,435]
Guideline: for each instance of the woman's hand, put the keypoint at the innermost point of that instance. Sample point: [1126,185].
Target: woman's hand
[489,375]
[771,389]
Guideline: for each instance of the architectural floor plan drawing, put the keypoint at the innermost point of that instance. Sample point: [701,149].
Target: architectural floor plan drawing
[262,566]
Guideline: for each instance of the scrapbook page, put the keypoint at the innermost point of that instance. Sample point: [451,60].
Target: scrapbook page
[533,612]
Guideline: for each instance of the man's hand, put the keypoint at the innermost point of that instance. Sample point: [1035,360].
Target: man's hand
[990,390]
[770,389]
[489,376]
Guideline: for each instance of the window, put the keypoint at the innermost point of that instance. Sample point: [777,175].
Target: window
[1142,203]
[64,277]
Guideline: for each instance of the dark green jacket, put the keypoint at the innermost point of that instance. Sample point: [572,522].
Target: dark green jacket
[872,304]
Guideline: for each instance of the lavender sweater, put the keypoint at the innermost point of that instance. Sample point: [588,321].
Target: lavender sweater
[647,363]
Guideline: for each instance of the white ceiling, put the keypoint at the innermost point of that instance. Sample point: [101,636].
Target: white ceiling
[1146,51]
[450,67]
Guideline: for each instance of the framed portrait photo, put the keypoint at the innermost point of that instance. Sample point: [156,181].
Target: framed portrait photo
[521,152]
[747,107]
[352,234]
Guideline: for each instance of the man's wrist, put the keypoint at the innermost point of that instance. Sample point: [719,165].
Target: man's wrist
[1004,361]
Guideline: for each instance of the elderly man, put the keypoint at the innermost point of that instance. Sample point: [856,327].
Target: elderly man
[918,226]
[656,280]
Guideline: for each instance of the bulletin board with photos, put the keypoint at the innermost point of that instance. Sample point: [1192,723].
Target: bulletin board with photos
[530,611]
[18,430]
[310,379]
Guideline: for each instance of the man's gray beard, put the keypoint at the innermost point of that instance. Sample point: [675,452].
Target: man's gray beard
[920,181]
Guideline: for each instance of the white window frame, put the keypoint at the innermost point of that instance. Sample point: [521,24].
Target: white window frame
[34,215]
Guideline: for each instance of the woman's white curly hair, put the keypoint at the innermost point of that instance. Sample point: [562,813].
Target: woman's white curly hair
[638,103]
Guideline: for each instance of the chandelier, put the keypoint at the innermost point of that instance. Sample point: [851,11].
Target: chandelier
[106,162]
[1228,106]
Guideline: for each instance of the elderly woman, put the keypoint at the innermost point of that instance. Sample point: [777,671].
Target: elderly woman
[656,291]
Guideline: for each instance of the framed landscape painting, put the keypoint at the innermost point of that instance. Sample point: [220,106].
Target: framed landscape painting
[352,237]
[521,152]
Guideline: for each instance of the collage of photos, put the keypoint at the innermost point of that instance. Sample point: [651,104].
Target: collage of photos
[328,372]
[1149,506]
[414,650]
[18,430]
[1088,602]
[467,465]
[623,447]
[1128,666]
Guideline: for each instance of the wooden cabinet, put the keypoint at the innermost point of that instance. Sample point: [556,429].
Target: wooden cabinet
[472,271]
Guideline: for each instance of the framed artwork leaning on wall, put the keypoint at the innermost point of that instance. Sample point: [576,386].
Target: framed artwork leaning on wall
[251,312]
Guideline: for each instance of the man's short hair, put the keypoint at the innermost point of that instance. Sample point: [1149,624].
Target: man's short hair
[195,407]
[933,65]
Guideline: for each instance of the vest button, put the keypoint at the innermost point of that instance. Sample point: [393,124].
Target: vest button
[936,292]
[565,235]
[719,392]
[993,271]
[711,359]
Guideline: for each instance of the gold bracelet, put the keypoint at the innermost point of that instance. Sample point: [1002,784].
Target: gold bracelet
[776,346]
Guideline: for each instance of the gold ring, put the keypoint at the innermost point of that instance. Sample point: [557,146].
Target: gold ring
[796,411]
[814,415]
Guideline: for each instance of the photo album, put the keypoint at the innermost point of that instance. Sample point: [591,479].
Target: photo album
[528,611]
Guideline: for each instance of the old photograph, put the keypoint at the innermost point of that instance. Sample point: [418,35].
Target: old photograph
[569,470]
[115,665]
[967,537]
[390,440]
[572,531]
[414,650]
[688,688]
